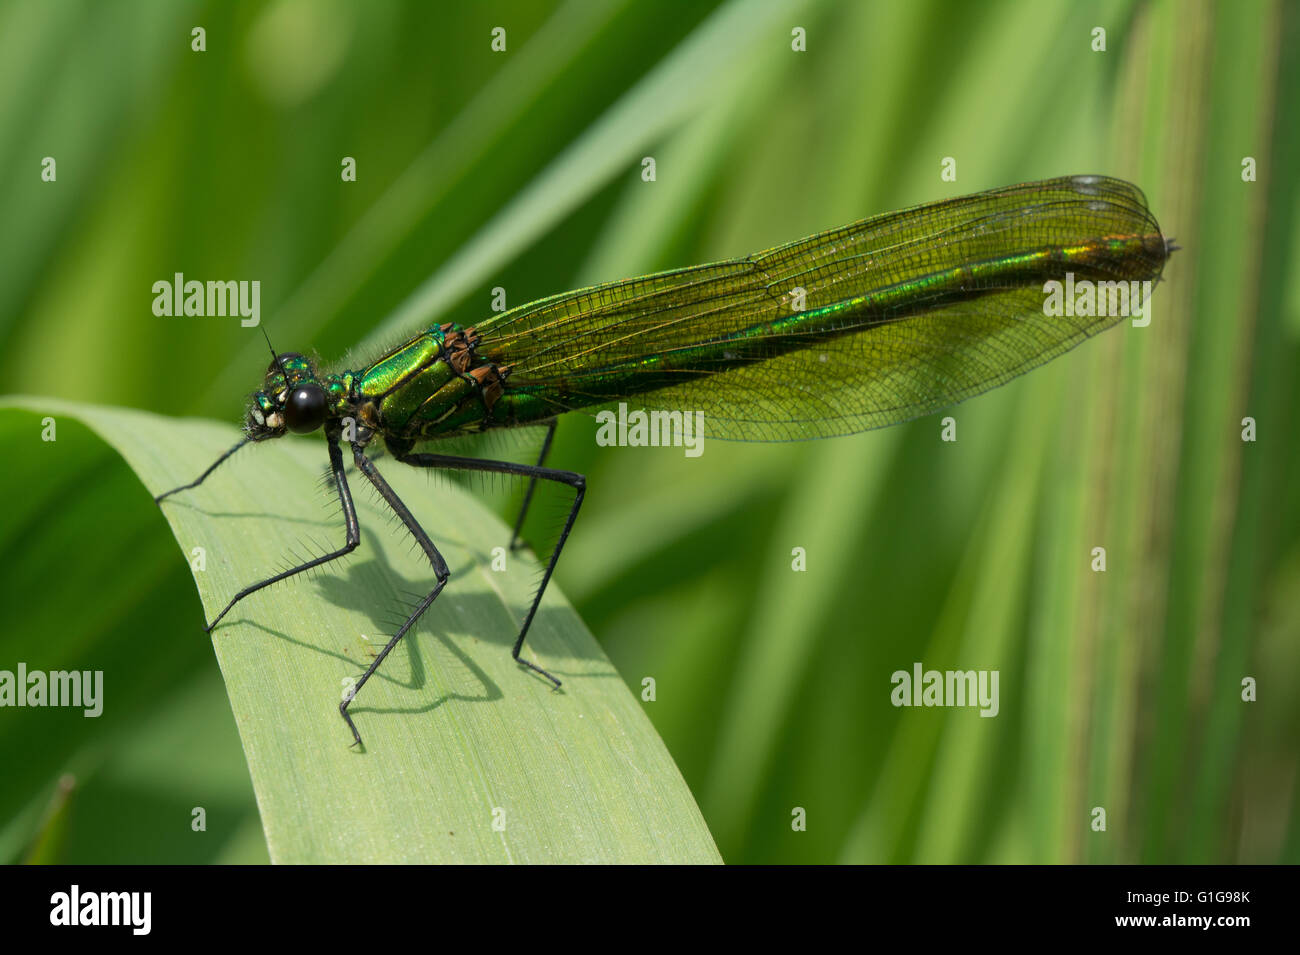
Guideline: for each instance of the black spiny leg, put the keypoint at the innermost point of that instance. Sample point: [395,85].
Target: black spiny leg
[202,477]
[367,467]
[515,542]
[349,518]
[575,481]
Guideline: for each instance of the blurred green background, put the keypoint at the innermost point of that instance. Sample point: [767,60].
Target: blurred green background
[522,169]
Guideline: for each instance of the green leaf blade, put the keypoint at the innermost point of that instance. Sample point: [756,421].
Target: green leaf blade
[468,757]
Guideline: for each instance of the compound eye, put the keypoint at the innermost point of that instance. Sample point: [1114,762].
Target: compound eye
[281,360]
[304,409]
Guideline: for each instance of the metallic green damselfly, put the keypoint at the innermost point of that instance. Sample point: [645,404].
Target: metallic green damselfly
[860,327]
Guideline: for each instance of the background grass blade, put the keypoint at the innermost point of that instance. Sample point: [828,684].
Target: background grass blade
[468,757]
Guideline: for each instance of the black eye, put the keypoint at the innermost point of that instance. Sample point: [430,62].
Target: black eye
[281,360]
[304,409]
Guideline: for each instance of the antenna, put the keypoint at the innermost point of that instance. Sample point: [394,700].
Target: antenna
[275,359]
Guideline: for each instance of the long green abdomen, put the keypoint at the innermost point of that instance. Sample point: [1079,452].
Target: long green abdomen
[1002,299]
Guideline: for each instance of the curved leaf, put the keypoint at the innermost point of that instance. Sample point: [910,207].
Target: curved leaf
[468,757]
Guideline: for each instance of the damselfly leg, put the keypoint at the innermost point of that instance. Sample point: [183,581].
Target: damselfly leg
[573,480]
[515,542]
[202,477]
[349,545]
[366,466]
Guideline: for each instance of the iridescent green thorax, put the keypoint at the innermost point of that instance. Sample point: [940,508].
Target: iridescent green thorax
[432,385]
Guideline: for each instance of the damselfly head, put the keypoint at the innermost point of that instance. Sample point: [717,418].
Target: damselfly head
[291,399]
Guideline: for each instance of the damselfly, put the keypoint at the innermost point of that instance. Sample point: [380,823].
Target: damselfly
[861,327]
